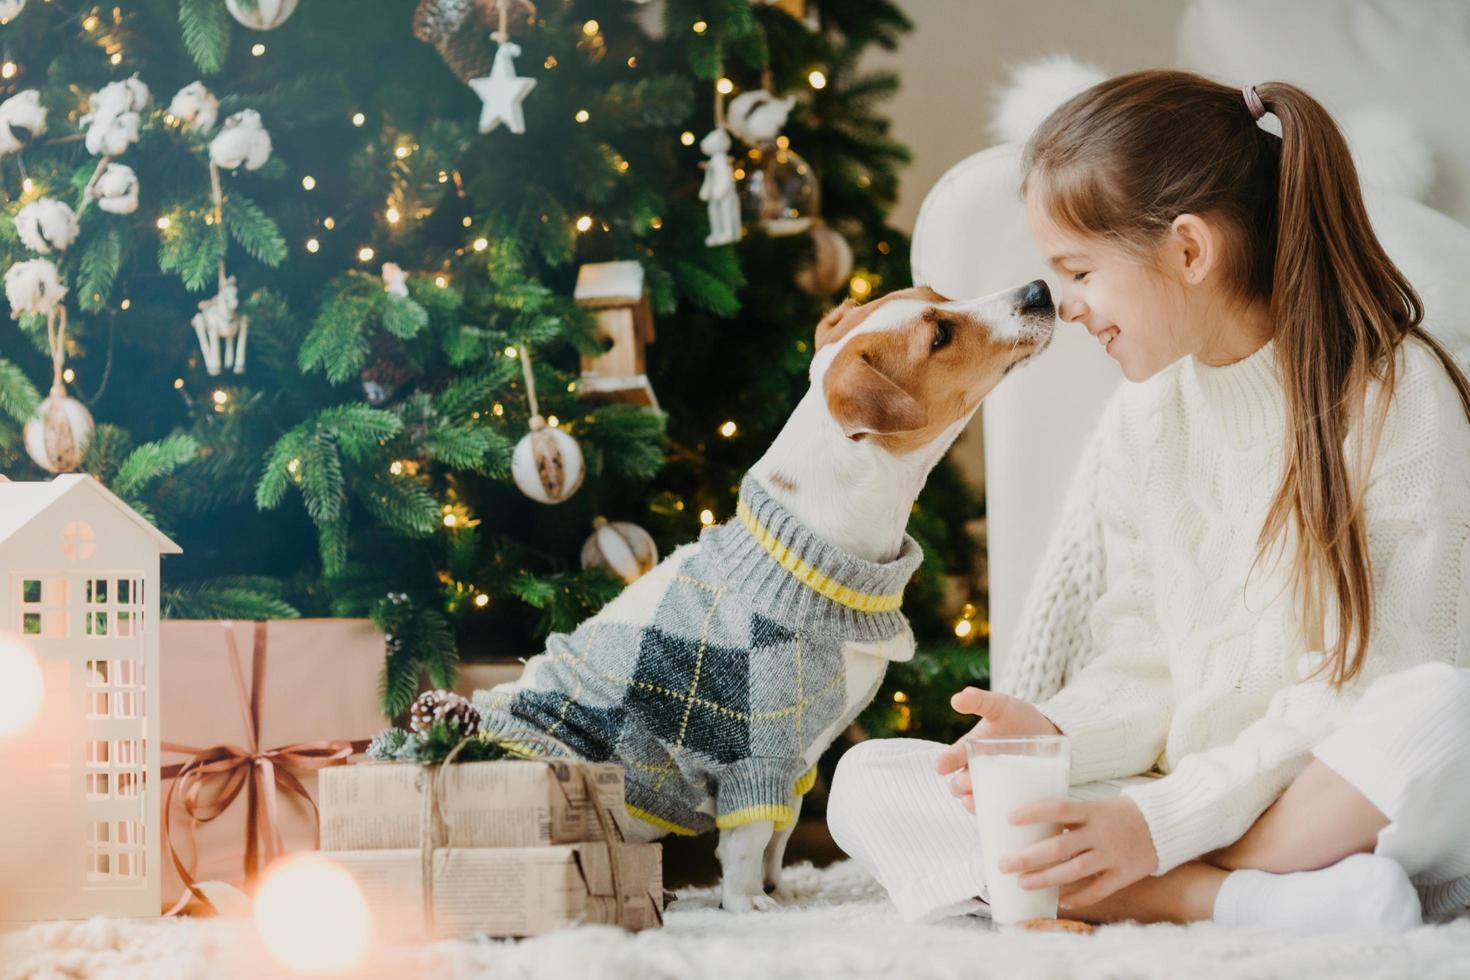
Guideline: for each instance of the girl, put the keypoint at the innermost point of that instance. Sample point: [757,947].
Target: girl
[1263,563]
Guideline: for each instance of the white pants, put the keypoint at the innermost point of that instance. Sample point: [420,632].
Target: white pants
[1405,746]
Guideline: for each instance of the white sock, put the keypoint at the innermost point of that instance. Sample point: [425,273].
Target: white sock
[1364,891]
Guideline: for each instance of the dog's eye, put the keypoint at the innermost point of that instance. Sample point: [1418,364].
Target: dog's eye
[943,333]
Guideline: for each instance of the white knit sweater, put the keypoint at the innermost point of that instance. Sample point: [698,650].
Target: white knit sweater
[1167,658]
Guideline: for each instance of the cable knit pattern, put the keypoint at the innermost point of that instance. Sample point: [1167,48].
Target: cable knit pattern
[1147,638]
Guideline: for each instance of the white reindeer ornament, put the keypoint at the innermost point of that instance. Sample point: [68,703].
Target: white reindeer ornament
[219,320]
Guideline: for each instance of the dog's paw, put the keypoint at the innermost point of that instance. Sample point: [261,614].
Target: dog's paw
[749,903]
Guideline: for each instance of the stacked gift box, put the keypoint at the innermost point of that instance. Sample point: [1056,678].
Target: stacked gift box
[502,848]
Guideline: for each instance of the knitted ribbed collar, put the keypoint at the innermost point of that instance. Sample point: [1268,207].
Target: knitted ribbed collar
[1244,398]
[793,576]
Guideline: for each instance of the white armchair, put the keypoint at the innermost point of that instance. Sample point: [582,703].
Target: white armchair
[971,238]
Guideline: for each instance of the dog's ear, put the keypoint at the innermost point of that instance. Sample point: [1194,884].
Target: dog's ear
[827,326]
[865,401]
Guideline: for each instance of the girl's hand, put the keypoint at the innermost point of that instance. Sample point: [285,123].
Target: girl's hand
[1105,847]
[1003,716]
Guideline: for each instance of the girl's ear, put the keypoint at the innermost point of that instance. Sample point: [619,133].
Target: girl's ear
[1193,249]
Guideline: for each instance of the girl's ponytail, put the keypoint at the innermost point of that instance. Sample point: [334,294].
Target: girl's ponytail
[1340,308]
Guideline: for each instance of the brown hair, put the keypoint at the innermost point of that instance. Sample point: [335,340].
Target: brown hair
[1124,158]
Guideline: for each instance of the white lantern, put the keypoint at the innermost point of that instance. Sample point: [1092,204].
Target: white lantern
[79,584]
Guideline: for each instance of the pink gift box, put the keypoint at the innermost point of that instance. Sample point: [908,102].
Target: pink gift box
[250,712]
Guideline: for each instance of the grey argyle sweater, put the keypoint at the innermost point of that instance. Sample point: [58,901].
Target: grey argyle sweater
[712,676]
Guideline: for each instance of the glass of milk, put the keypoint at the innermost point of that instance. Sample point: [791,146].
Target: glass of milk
[1007,773]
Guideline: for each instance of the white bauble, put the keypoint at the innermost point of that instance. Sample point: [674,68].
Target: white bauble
[116,191]
[622,548]
[33,286]
[241,140]
[547,464]
[47,224]
[56,436]
[261,15]
[10,9]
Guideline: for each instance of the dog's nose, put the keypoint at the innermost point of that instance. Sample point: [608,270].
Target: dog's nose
[1035,296]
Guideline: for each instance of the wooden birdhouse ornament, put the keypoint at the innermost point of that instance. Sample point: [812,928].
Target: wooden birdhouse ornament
[79,594]
[615,292]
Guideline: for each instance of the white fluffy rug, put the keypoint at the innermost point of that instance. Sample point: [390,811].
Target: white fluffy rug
[839,925]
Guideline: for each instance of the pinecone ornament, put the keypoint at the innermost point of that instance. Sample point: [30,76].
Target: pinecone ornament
[455,710]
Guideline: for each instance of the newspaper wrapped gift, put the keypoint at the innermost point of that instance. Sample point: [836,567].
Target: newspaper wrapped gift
[509,803]
[506,891]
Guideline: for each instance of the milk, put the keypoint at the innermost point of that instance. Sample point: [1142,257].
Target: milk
[1001,784]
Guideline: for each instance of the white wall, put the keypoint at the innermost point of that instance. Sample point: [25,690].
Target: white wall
[961,53]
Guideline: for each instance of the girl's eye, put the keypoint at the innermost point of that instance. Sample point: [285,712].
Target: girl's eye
[1079,276]
[943,332]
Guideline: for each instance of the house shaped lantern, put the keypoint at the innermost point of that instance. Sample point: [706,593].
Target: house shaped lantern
[615,292]
[79,585]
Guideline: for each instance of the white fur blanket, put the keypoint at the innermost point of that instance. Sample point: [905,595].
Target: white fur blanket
[839,926]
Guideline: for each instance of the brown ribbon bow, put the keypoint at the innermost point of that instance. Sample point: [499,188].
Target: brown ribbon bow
[213,777]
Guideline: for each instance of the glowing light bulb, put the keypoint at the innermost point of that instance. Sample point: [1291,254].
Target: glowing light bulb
[22,687]
[706,517]
[163,223]
[724,86]
[700,27]
[963,628]
[583,115]
[441,281]
[312,245]
[358,119]
[392,215]
[728,429]
[257,49]
[220,396]
[308,182]
[481,244]
[584,222]
[590,28]
[482,600]
[8,69]
[817,79]
[311,915]
[687,138]
[365,254]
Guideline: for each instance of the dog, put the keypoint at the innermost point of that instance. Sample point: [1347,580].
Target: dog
[719,677]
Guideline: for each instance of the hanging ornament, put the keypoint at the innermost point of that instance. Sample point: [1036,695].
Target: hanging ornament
[718,190]
[502,91]
[10,9]
[758,116]
[219,323]
[623,548]
[778,190]
[547,463]
[56,436]
[831,266]
[261,15]
[389,367]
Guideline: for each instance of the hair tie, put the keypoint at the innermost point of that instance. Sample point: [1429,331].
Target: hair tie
[1253,102]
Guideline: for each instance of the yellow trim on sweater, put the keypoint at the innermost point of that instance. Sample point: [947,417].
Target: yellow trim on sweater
[805,782]
[809,576]
[660,822]
[782,815]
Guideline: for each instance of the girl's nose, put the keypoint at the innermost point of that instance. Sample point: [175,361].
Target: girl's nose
[1071,309]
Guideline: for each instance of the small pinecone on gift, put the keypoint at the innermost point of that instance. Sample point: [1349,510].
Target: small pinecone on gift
[454,710]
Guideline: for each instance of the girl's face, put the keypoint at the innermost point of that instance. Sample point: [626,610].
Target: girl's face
[1139,313]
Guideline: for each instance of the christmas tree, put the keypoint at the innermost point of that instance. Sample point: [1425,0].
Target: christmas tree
[297,283]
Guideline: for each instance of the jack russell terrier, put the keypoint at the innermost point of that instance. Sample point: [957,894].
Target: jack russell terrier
[720,677]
